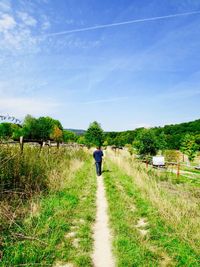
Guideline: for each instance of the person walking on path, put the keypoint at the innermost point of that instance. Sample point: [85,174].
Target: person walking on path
[98,155]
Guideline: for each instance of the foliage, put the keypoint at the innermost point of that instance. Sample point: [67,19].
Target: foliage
[43,128]
[189,146]
[35,224]
[57,134]
[161,141]
[69,136]
[172,155]
[146,143]
[168,137]
[151,214]
[94,135]
[8,130]
[81,140]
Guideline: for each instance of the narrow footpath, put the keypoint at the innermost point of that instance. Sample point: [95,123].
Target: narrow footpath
[102,255]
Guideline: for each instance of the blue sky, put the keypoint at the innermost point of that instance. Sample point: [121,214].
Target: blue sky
[127,76]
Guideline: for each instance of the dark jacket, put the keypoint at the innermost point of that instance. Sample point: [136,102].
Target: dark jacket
[97,155]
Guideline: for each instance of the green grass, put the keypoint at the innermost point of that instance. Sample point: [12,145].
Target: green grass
[161,246]
[44,235]
[191,178]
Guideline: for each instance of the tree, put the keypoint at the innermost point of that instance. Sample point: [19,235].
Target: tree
[161,141]
[81,140]
[189,146]
[43,128]
[57,134]
[6,130]
[94,135]
[30,129]
[146,143]
[69,136]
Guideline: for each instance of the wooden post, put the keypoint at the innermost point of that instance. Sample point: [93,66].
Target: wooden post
[178,169]
[21,143]
[42,144]
[58,145]
[147,164]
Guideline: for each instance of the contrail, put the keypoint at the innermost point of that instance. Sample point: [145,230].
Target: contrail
[121,23]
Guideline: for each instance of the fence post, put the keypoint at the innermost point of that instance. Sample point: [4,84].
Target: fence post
[178,169]
[21,143]
[42,144]
[58,145]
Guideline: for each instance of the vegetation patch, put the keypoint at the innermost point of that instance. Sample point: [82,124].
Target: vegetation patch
[142,235]
[40,232]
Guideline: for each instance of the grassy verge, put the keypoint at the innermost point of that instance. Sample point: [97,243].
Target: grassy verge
[55,228]
[146,231]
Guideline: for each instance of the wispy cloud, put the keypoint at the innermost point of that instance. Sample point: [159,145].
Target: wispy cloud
[7,22]
[18,27]
[22,106]
[103,26]
[46,24]
[27,19]
[17,36]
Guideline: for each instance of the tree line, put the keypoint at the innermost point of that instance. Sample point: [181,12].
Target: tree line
[145,142]
[42,128]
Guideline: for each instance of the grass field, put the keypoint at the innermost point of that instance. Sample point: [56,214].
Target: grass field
[53,225]
[155,222]
[48,209]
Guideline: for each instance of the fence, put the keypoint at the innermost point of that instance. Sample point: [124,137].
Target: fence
[177,166]
[41,143]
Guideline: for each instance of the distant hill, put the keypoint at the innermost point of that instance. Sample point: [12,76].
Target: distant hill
[76,131]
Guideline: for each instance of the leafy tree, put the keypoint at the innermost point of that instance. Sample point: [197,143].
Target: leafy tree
[146,143]
[57,134]
[197,140]
[94,135]
[172,155]
[8,130]
[43,128]
[161,141]
[81,140]
[69,136]
[30,129]
[189,146]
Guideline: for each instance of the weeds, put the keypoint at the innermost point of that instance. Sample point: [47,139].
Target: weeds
[171,211]
[46,197]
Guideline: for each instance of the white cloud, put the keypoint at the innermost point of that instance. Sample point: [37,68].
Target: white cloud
[20,106]
[27,19]
[15,37]
[7,22]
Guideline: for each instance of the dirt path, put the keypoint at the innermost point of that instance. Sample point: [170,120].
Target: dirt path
[102,256]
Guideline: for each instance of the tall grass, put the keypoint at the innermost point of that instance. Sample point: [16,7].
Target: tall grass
[155,222]
[30,172]
[177,203]
[46,198]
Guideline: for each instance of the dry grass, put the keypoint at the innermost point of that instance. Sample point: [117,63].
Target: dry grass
[179,207]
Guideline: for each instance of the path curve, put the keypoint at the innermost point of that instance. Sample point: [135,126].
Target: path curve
[102,255]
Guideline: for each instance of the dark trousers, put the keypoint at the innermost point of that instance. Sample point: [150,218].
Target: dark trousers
[98,168]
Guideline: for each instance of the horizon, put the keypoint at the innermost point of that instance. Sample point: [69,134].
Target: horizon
[125,64]
[85,129]
[135,128]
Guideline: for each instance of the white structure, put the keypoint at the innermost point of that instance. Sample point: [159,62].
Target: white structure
[158,161]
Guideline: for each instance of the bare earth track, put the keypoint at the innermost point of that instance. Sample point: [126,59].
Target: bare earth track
[102,255]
